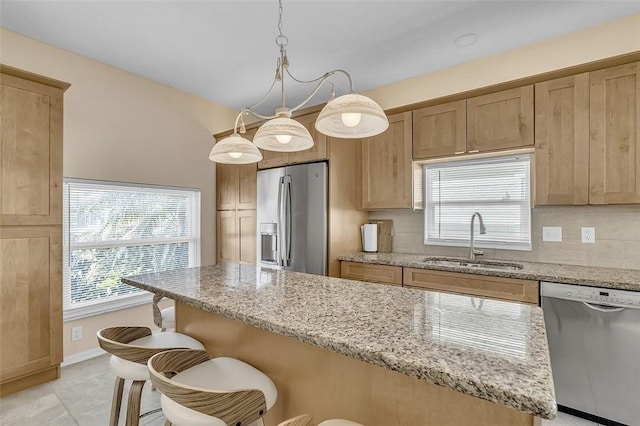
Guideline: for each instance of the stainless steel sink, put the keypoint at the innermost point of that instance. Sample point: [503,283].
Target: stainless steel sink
[478,264]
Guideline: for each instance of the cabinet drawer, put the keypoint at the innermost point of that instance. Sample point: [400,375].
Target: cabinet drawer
[375,273]
[477,285]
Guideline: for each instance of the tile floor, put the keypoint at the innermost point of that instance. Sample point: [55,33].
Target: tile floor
[82,396]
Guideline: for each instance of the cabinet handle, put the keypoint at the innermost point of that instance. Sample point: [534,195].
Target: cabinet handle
[475,150]
[458,153]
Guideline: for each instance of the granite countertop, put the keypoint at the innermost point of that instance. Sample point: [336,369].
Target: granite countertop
[489,349]
[622,279]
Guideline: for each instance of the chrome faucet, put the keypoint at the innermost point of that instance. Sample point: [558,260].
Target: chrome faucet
[473,252]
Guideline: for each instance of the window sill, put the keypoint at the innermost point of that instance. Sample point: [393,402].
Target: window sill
[106,307]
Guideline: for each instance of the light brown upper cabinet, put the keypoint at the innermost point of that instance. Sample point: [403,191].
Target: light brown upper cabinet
[236,186]
[386,174]
[615,124]
[587,147]
[31,176]
[440,130]
[562,141]
[317,152]
[500,120]
[493,122]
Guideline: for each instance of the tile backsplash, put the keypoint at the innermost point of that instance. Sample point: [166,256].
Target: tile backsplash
[617,230]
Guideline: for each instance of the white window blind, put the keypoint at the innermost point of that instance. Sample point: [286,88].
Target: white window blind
[498,188]
[113,230]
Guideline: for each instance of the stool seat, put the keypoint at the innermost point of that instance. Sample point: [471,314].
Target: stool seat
[200,391]
[306,420]
[339,422]
[129,370]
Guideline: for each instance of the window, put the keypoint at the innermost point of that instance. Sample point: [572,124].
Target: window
[112,230]
[498,188]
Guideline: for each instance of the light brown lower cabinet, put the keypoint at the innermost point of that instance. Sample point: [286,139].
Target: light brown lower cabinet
[236,236]
[31,306]
[513,289]
[384,274]
[478,285]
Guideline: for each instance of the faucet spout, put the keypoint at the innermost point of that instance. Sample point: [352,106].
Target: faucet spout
[483,230]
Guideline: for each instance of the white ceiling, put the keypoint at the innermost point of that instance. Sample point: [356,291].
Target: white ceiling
[225,50]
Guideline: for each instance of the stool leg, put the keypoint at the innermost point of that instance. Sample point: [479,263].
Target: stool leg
[116,402]
[133,403]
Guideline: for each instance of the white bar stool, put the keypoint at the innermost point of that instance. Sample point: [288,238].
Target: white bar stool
[199,391]
[306,420]
[130,349]
[165,318]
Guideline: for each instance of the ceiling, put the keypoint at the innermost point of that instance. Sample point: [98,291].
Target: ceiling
[225,51]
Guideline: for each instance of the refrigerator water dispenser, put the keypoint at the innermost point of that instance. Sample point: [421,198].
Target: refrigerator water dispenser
[269,242]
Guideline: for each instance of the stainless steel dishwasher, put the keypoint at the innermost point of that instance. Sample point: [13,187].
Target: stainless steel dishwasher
[594,343]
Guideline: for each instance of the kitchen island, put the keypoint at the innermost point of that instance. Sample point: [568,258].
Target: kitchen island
[375,354]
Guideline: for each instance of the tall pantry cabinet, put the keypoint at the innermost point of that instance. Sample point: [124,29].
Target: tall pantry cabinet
[30,229]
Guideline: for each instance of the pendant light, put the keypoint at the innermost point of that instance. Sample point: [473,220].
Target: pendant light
[350,116]
[235,150]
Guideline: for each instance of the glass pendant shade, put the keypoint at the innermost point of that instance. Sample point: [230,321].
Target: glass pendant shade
[283,134]
[352,116]
[235,150]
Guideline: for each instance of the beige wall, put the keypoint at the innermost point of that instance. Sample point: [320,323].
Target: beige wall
[121,127]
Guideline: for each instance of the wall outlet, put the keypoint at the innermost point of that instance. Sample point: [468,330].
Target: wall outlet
[589,235]
[552,233]
[76,333]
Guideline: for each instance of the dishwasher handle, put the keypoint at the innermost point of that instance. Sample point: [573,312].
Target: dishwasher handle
[601,308]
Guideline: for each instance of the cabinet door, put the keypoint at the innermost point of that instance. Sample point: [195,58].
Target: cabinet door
[477,285]
[246,226]
[386,166]
[227,185]
[385,274]
[562,141]
[247,194]
[440,130]
[319,149]
[30,153]
[227,237]
[615,124]
[31,301]
[500,120]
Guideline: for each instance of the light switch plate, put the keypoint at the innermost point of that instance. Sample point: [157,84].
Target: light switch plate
[552,233]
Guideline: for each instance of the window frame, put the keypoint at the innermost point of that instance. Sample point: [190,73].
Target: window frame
[478,243]
[128,300]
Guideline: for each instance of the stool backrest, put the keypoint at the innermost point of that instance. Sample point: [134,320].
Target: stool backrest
[301,420]
[234,407]
[115,340]
[157,314]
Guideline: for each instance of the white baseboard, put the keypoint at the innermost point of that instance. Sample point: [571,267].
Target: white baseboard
[82,356]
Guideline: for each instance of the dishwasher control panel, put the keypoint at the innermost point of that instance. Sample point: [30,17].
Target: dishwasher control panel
[595,295]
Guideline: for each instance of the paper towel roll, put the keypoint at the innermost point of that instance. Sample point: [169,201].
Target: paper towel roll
[369,237]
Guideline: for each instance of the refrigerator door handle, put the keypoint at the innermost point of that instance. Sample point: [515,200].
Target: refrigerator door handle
[280,231]
[288,220]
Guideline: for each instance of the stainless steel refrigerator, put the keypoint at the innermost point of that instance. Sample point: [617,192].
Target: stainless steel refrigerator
[292,218]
